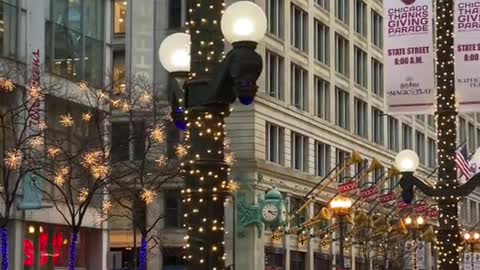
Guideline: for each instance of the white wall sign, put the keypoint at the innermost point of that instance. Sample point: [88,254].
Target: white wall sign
[467,54]
[409,56]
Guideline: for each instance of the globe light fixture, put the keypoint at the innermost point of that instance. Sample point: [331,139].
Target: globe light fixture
[467,236]
[341,205]
[244,21]
[174,53]
[407,161]
[408,220]
[420,220]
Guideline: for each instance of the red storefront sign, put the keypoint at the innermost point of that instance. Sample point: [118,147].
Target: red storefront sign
[388,197]
[347,187]
[369,193]
[402,205]
[421,208]
[433,212]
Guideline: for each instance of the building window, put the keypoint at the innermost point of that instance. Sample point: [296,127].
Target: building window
[275,143]
[377,29]
[431,121]
[342,110]
[360,72]
[361,167]
[478,135]
[299,90]
[361,17]
[275,17]
[420,146]
[299,27]
[325,4]
[322,42]
[406,137]
[322,158]
[392,137]
[341,158]
[300,151]
[121,144]
[175,13]
[120,17]
[341,55]
[74,40]
[173,210]
[377,77]
[432,153]
[473,212]
[172,258]
[377,174]
[297,259]
[274,75]
[322,261]
[420,118]
[471,137]
[342,10]
[377,125]
[322,98]
[462,132]
[119,71]
[295,204]
[9,15]
[361,124]
[274,258]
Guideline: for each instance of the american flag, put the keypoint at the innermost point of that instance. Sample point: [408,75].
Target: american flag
[463,163]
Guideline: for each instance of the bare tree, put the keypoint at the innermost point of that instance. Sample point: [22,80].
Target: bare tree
[81,164]
[21,131]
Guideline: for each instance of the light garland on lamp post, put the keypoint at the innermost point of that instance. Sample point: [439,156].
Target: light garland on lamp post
[200,101]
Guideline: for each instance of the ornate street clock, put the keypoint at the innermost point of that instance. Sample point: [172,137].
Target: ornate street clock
[273,210]
[270,211]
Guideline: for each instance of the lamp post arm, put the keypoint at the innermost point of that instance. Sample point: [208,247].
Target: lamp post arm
[408,181]
[468,187]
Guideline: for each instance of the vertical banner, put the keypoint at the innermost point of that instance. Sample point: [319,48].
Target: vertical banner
[467,261]
[467,54]
[476,261]
[414,254]
[409,56]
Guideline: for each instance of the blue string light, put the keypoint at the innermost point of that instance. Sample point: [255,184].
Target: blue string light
[143,255]
[4,242]
[73,251]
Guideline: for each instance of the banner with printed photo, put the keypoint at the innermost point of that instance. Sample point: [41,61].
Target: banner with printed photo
[467,261]
[476,261]
[414,254]
[467,54]
[409,56]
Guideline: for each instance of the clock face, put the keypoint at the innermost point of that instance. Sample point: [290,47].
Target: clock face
[269,212]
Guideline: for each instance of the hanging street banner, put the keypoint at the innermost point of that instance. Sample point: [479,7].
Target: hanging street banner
[476,260]
[414,254]
[409,56]
[467,54]
[467,261]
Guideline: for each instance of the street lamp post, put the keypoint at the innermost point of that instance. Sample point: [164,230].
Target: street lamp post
[341,207]
[447,191]
[471,240]
[215,81]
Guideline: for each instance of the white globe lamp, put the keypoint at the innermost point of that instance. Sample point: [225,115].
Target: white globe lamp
[244,21]
[407,161]
[174,53]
